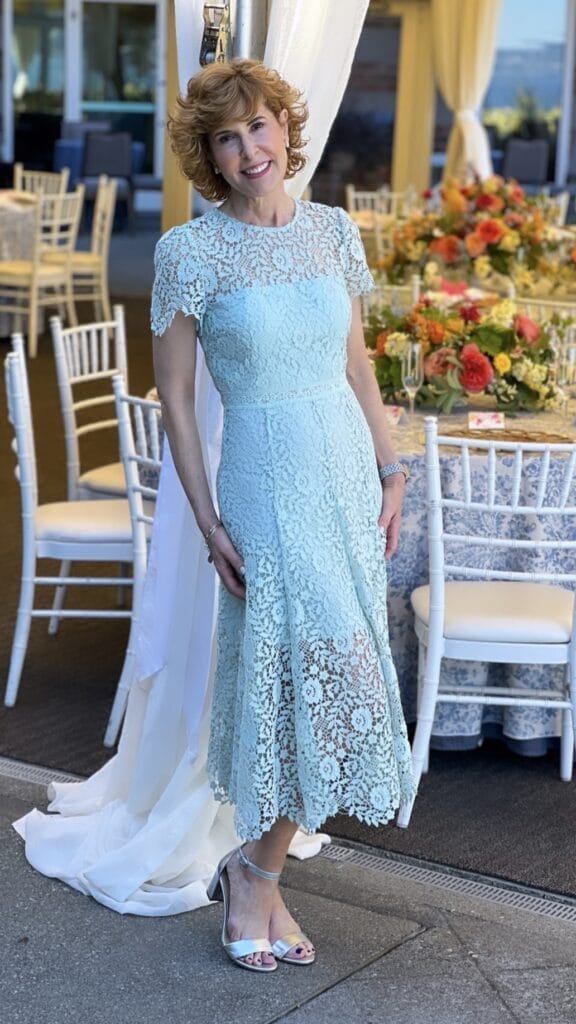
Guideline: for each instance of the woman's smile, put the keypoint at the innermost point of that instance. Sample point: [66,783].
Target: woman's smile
[258,170]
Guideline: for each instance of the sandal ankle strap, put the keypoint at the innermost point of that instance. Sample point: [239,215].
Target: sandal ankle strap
[273,876]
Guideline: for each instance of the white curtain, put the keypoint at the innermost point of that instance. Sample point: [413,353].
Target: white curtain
[312,44]
[464,43]
[143,835]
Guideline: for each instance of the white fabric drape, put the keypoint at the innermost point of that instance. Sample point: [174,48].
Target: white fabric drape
[312,45]
[143,835]
[464,44]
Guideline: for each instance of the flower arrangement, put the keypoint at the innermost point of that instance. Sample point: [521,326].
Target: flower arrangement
[468,351]
[489,230]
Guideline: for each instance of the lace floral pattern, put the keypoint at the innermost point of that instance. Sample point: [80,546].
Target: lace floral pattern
[306,717]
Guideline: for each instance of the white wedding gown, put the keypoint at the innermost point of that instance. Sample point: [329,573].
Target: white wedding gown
[144,834]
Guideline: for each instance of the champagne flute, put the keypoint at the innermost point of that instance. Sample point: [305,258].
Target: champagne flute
[563,369]
[412,372]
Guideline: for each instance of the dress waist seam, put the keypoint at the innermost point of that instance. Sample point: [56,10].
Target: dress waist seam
[339,384]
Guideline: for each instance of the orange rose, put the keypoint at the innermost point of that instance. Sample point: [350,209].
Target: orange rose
[447,247]
[436,332]
[475,245]
[381,343]
[490,231]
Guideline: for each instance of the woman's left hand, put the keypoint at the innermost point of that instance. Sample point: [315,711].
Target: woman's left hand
[389,522]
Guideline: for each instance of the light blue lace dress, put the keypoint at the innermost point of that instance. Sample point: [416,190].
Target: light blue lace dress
[306,717]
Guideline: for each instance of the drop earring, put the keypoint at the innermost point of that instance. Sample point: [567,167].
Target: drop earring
[217,170]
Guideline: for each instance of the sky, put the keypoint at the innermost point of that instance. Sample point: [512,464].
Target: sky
[527,23]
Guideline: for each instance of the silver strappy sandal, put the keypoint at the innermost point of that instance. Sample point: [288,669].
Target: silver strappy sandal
[284,946]
[219,889]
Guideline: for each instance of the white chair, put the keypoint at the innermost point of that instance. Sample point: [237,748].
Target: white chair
[507,604]
[90,269]
[28,285]
[358,200]
[399,297]
[398,205]
[364,206]
[69,531]
[141,448]
[87,358]
[545,309]
[44,182]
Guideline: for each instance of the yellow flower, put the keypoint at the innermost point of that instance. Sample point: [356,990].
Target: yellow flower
[502,363]
[510,241]
[523,278]
[454,201]
[397,344]
[455,325]
[415,251]
[482,267]
[430,272]
[501,314]
[491,185]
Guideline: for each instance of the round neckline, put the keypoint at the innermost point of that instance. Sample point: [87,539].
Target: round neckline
[262,227]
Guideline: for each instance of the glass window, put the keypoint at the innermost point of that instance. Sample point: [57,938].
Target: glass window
[37,78]
[525,94]
[119,69]
[119,52]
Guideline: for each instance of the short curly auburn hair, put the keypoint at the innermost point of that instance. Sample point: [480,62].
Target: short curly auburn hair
[223,92]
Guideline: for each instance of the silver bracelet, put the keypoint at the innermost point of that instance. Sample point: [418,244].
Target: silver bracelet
[215,526]
[393,467]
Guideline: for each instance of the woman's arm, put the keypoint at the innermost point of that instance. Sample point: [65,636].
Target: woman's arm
[175,370]
[363,383]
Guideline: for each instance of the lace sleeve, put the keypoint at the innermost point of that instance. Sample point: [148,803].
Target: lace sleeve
[359,280]
[178,283]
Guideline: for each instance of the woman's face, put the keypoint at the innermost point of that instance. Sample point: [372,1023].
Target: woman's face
[251,155]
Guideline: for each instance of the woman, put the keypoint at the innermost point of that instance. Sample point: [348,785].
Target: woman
[306,717]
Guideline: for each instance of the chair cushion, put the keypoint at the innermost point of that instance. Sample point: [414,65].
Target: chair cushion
[87,261]
[502,612]
[108,479]
[22,269]
[84,521]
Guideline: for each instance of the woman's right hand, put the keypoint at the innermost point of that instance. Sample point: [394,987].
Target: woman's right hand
[228,563]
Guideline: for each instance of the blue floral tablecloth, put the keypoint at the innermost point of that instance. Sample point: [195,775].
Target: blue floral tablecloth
[527,730]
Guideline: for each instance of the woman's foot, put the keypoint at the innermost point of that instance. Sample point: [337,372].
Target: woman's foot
[281,924]
[251,900]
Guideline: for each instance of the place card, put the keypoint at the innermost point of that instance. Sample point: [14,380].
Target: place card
[486,421]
